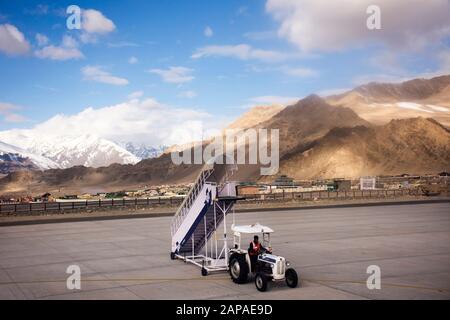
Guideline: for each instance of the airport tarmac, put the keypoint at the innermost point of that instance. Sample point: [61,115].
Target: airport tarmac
[330,249]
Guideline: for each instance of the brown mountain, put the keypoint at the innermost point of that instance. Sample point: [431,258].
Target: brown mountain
[255,116]
[381,102]
[410,145]
[309,119]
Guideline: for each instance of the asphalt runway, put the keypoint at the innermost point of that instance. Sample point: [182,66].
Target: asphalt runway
[330,249]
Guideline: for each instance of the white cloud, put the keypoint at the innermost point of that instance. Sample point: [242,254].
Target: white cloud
[135,95]
[69,42]
[174,74]
[88,37]
[66,51]
[41,39]
[133,60]
[188,94]
[93,21]
[58,53]
[323,25]
[300,72]
[269,100]
[12,41]
[8,111]
[96,73]
[396,74]
[240,51]
[208,32]
[138,121]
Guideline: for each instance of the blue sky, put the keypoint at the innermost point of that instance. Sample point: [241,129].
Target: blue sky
[217,57]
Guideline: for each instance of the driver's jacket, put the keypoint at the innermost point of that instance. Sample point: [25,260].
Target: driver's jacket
[254,249]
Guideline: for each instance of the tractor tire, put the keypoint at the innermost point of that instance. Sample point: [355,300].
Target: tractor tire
[172,256]
[261,282]
[291,278]
[204,272]
[238,268]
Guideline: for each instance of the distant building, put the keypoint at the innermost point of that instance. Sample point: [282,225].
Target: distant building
[339,185]
[46,197]
[283,180]
[367,183]
[247,190]
[69,197]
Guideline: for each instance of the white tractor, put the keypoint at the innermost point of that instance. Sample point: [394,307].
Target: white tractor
[268,267]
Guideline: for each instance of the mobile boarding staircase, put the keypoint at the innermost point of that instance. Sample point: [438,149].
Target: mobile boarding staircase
[195,227]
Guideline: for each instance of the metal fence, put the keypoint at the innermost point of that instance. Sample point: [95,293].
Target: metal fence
[86,204]
[336,195]
[24,208]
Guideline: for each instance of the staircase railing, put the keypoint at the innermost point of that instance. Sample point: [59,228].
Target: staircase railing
[185,206]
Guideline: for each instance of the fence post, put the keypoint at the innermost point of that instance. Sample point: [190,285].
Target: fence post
[30,208]
[148,201]
[99,202]
[123,202]
[15,207]
[112,202]
[59,206]
[73,204]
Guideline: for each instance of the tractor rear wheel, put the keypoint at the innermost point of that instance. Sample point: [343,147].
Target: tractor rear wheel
[291,278]
[238,268]
[261,282]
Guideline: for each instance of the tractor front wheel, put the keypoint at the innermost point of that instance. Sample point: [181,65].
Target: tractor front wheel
[291,278]
[261,282]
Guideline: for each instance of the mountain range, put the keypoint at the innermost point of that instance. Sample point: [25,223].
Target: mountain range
[379,103]
[319,137]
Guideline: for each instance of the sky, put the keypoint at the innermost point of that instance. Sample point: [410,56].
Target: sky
[139,69]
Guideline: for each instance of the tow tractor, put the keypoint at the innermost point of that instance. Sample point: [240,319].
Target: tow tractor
[268,267]
[199,233]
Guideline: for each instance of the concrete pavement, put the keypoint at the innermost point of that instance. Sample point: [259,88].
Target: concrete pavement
[330,249]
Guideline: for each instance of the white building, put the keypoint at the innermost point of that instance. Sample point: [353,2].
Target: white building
[367,183]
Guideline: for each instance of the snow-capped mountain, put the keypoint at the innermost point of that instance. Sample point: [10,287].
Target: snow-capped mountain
[143,151]
[68,151]
[13,158]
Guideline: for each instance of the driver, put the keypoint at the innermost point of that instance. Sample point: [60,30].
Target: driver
[254,249]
